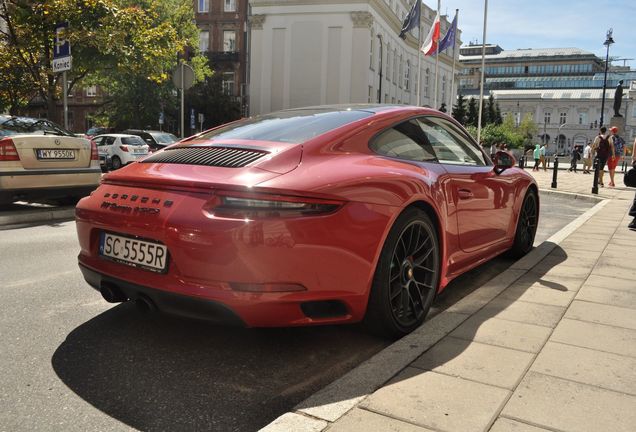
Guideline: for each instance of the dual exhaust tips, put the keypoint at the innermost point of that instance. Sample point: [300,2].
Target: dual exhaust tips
[112,294]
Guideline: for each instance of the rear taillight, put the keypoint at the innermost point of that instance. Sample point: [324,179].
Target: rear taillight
[8,151]
[255,206]
[94,153]
[123,148]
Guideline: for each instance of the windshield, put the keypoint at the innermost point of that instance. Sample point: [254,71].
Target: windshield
[27,125]
[164,138]
[294,126]
[133,140]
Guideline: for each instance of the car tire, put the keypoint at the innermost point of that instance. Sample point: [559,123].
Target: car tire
[526,226]
[407,276]
[116,162]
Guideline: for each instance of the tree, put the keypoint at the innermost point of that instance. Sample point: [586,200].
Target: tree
[498,118]
[110,39]
[473,115]
[459,109]
[209,98]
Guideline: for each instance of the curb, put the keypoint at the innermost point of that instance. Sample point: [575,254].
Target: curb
[332,402]
[573,195]
[35,216]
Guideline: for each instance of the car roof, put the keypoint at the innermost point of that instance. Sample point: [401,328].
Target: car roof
[116,135]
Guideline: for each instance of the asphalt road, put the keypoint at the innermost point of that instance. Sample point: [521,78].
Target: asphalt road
[70,361]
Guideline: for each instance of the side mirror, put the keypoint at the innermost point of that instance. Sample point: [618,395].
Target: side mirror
[503,160]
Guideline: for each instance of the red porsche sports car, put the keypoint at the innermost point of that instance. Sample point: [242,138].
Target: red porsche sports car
[318,215]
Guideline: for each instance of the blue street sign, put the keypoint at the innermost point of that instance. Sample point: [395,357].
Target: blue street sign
[192,123]
[62,47]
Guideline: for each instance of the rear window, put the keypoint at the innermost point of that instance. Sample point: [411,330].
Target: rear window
[27,125]
[294,126]
[133,141]
[164,138]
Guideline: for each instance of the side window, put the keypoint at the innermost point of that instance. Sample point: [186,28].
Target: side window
[449,143]
[109,140]
[405,141]
[99,141]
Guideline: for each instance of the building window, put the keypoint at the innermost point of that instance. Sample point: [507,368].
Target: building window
[203,6]
[370,98]
[407,76]
[229,41]
[583,118]
[229,6]
[228,83]
[443,88]
[388,63]
[204,41]
[91,91]
[546,117]
[427,79]
[395,66]
[563,118]
[372,50]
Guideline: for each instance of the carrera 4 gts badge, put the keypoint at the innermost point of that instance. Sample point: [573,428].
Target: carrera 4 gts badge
[129,209]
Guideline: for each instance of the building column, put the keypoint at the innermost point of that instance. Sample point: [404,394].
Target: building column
[360,49]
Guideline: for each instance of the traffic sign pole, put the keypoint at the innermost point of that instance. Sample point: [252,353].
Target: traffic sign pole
[65,90]
[182,100]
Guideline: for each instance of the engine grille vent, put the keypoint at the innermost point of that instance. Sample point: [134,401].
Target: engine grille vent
[208,156]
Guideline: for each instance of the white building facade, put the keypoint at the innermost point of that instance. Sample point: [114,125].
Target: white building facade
[305,53]
[568,117]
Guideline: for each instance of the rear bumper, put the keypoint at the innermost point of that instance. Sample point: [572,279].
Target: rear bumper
[16,185]
[168,302]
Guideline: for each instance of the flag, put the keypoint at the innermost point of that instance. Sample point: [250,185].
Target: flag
[449,39]
[412,20]
[432,39]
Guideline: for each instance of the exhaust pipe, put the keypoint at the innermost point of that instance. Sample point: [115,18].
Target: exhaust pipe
[112,294]
[145,305]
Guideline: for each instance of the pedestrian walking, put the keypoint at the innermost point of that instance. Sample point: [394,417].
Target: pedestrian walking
[536,154]
[587,158]
[619,150]
[632,211]
[542,158]
[575,156]
[602,146]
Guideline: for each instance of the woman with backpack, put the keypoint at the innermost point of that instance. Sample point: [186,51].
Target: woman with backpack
[619,150]
[604,149]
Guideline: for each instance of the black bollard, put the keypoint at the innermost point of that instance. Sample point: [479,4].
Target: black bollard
[522,161]
[554,172]
[595,184]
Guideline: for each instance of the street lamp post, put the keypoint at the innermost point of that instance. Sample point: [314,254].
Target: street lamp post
[607,43]
[380,83]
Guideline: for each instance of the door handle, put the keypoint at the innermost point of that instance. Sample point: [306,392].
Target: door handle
[464,194]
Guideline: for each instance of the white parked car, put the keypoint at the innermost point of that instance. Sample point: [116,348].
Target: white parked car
[122,149]
[41,160]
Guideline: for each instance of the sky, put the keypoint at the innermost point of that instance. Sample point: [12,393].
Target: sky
[514,24]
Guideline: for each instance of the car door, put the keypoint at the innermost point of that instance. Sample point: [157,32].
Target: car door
[483,198]
[108,144]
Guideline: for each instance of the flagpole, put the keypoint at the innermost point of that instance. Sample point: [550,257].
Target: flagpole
[439,6]
[483,63]
[419,58]
[452,92]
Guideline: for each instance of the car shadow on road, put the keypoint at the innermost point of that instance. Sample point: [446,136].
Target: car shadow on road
[156,373]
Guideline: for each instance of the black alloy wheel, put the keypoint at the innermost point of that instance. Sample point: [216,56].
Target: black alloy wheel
[116,162]
[526,226]
[407,276]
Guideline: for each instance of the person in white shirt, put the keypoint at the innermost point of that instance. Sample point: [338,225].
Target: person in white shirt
[587,158]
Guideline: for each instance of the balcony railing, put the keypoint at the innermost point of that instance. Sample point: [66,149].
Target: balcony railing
[223,56]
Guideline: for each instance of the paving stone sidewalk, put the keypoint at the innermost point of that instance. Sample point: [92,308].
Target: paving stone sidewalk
[548,345]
